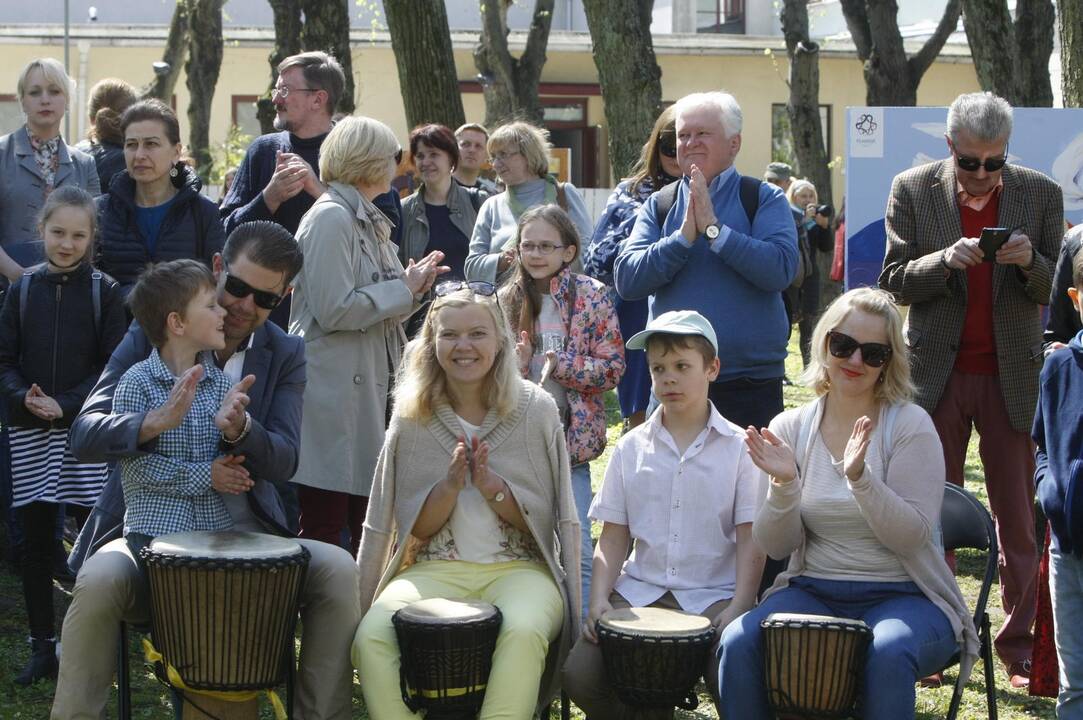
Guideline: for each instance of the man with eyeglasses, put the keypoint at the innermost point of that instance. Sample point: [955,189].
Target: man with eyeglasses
[263,409]
[974,328]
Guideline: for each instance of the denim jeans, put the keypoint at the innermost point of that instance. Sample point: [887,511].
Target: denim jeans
[1066,591]
[911,639]
[583,496]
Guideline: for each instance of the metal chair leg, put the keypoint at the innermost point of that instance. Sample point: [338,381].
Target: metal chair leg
[987,661]
[565,706]
[124,690]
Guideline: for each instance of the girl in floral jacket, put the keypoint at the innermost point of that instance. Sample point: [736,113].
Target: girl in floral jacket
[568,341]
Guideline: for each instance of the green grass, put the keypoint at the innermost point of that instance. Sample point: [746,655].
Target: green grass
[151,700]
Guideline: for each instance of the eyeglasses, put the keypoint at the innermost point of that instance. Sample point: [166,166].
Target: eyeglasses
[667,144]
[972,164]
[478,287]
[283,91]
[503,157]
[544,248]
[240,289]
[842,345]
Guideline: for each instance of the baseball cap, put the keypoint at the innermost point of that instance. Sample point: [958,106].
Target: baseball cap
[778,171]
[675,322]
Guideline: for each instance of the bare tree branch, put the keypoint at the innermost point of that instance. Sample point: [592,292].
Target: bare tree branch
[925,57]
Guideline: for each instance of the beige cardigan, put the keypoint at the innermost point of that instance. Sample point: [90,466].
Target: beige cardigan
[527,449]
[902,509]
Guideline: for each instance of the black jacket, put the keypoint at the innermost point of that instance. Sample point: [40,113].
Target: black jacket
[1064,322]
[56,345]
[191,221]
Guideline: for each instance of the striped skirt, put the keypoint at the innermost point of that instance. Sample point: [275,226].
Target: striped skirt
[44,470]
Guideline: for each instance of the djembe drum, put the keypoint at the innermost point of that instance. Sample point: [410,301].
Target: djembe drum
[447,652]
[654,657]
[223,614]
[813,664]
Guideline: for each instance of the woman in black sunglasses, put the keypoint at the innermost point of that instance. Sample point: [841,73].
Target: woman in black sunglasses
[857,480]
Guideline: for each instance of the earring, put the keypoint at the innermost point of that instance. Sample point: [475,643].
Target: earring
[174,172]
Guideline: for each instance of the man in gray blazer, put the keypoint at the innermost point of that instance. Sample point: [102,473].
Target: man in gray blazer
[974,329]
[268,366]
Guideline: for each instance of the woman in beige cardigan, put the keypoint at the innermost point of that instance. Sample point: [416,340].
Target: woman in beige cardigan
[349,302]
[857,480]
[472,499]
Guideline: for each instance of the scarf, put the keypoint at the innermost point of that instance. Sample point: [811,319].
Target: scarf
[47,155]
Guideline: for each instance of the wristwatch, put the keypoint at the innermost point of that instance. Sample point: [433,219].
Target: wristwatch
[499,497]
[712,231]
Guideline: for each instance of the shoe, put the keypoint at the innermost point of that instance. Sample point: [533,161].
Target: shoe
[43,664]
[1019,674]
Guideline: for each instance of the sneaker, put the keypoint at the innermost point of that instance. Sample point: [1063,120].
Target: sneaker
[1019,674]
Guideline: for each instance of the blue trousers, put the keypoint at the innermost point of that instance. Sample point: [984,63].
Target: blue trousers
[1066,592]
[911,639]
[583,495]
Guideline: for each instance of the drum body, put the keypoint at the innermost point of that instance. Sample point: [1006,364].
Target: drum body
[224,606]
[447,653]
[813,664]
[653,656]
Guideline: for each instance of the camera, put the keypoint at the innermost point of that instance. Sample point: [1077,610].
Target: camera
[825,210]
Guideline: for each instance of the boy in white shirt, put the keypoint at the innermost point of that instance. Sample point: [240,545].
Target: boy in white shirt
[683,487]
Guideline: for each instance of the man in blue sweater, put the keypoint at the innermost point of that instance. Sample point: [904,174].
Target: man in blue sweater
[1057,475]
[713,255]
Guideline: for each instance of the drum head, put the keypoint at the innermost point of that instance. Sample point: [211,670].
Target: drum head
[441,611]
[228,545]
[654,622]
[800,620]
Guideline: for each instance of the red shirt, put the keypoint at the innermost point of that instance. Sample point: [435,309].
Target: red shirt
[977,346]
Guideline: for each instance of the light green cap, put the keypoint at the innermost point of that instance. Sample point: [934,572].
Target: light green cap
[675,322]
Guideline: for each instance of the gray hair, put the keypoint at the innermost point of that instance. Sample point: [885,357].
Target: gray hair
[729,112]
[982,115]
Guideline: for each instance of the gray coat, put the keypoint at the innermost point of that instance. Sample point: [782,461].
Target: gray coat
[463,204]
[349,302]
[21,196]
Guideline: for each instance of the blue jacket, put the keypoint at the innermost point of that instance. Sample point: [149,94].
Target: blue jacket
[735,282]
[1058,434]
[271,448]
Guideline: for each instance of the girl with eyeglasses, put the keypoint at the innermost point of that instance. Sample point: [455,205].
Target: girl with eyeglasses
[568,341]
[856,485]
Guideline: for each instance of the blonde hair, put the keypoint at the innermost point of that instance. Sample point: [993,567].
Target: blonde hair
[797,186]
[421,384]
[894,385]
[358,150]
[54,73]
[530,140]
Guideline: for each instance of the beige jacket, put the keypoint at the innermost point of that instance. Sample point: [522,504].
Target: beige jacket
[527,449]
[902,509]
[349,302]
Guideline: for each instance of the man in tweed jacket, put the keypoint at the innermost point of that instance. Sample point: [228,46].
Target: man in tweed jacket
[973,328]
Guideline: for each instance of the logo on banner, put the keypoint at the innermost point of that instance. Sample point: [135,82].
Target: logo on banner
[867,132]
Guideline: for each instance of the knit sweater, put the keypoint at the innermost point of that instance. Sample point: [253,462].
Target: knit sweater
[902,508]
[526,449]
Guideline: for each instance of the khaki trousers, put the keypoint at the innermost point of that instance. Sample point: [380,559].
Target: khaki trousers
[107,592]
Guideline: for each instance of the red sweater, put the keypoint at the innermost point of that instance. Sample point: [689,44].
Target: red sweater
[977,346]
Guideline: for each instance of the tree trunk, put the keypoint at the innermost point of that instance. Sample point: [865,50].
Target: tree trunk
[327,28]
[1012,59]
[176,47]
[1071,51]
[511,84]
[421,41]
[204,63]
[287,19]
[891,78]
[1034,21]
[628,73]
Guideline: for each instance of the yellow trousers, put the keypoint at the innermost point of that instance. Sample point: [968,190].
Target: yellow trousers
[533,611]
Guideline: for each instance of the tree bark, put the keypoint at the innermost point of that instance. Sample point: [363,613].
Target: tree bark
[287,19]
[202,68]
[327,28]
[891,78]
[1071,51]
[176,47]
[421,41]
[511,84]
[1034,21]
[628,73]
[1012,59]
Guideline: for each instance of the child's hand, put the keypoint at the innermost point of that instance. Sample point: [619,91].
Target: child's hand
[597,610]
[456,472]
[170,414]
[230,416]
[41,405]
[228,476]
[770,454]
[524,349]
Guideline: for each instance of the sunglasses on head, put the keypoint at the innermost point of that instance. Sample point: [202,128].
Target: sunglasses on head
[240,289]
[972,164]
[478,287]
[842,345]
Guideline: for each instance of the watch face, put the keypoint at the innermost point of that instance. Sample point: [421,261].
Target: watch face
[711,232]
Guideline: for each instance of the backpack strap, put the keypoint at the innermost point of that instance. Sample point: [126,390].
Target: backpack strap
[201,239]
[663,202]
[96,298]
[750,196]
[24,295]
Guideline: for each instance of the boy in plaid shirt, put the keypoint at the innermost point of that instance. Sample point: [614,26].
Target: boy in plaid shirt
[174,486]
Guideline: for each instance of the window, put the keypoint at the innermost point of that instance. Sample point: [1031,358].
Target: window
[11,114]
[244,114]
[782,137]
[720,16]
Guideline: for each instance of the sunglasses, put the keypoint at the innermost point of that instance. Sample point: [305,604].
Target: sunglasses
[398,156]
[240,289]
[991,164]
[478,287]
[842,345]
[667,145]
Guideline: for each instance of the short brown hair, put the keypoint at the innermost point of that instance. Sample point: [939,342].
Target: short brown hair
[152,109]
[321,72]
[438,137]
[109,98]
[166,288]
[665,342]
[472,126]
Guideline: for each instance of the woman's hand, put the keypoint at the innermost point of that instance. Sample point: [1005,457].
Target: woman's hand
[420,276]
[771,455]
[456,472]
[506,259]
[524,350]
[486,482]
[853,460]
[596,612]
[41,405]
[810,211]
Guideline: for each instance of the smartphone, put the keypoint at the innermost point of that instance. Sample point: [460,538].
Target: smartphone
[991,239]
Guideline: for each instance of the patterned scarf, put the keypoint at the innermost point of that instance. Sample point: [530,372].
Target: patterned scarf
[47,155]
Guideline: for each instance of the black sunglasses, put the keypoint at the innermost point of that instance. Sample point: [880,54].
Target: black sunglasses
[667,144]
[991,164]
[842,345]
[240,289]
[478,287]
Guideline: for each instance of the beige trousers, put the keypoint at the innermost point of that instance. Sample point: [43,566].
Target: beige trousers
[106,592]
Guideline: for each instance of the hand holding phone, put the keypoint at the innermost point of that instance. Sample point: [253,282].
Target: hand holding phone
[990,241]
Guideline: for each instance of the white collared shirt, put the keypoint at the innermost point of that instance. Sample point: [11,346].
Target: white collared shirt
[234,367]
[681,511]
[243,517]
